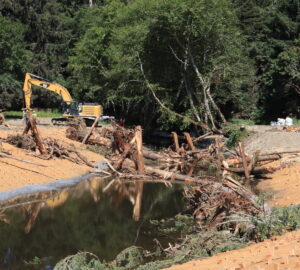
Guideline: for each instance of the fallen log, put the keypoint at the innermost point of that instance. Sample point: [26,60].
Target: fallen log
[255,170]
[176,176]
[260,158]
[227,184]
[91,130]
[202,137]
[82,157]
[152,155]
[98,140]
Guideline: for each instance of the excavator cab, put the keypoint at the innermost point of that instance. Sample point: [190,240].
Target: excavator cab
[70,109]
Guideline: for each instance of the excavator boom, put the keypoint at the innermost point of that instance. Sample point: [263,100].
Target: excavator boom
[31,79]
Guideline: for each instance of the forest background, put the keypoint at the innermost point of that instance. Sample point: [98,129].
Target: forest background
[205,59]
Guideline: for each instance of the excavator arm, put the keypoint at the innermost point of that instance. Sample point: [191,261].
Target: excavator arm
[31,79]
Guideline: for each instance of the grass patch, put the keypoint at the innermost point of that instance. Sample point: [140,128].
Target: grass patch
[296,122]
[237,121]
[19,114]
[234,134]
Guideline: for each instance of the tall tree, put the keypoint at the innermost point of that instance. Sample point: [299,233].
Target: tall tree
[272,29]
[14,60]
[191,53]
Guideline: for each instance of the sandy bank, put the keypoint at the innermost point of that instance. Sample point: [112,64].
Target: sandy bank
[15,174]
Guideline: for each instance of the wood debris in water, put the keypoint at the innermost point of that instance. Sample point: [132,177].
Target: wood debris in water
[211,198]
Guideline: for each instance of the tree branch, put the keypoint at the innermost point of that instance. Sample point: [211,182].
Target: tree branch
[202,125]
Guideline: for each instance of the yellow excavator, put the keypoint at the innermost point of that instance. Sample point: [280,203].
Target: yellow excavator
[70,109]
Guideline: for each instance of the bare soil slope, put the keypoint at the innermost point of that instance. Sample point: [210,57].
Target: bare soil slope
[273,141]
[15,174]
[277,254]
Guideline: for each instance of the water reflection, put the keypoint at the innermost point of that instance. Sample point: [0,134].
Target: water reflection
[100,215]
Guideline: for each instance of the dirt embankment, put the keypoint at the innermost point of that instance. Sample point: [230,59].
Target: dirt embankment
[283,189]
[14,173]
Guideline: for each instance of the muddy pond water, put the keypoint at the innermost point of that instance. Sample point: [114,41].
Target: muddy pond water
[98,215]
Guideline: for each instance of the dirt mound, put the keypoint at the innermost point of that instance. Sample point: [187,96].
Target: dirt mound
[76,130]
[272,141]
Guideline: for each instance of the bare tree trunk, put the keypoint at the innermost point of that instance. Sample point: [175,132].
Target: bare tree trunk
[205,85]
[91,3]
[206,103]
[188,90]
[215,106]
[204,126]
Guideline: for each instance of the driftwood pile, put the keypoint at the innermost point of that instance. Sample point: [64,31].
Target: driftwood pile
[211,198]
[213,204]
[78,131]
[45,149]
[185,159]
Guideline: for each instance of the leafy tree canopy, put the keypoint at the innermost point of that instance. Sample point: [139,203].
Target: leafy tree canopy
[14,57]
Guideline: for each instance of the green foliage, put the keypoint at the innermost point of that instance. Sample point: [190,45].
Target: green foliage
[18,114]
[237,121]
[80,261]
[35,261]
[14,58]
[197,245]
[46,29]
[205,243]
[107,59]
[247,50]
[272,30]
[279,221]
[234,134]
[130,258]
